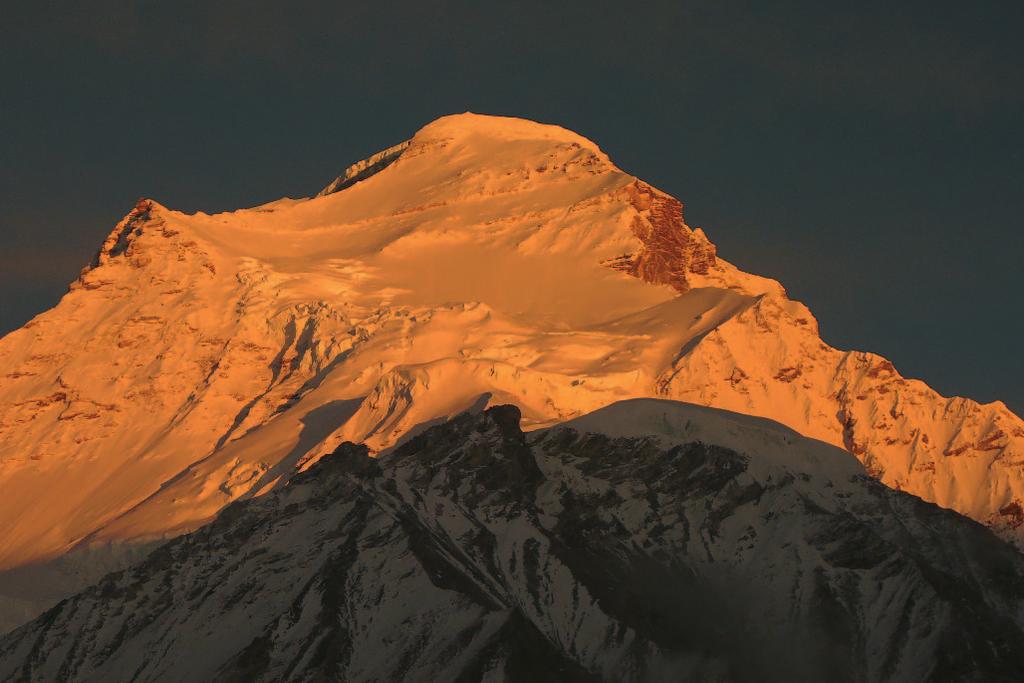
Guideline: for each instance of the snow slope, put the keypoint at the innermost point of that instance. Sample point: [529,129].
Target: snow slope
[204,358]
[474,552]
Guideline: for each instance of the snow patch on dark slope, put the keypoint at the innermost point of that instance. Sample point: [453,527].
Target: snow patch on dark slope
[476,552]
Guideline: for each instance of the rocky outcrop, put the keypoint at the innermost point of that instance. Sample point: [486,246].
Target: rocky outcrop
[365,168]
[770,361]
[669,249]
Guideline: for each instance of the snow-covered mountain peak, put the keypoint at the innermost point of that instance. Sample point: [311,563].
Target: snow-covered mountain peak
[469,126]
[205,358]
[463,141]
[675,423]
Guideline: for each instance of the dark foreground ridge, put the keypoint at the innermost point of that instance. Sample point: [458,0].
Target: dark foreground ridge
[475,553]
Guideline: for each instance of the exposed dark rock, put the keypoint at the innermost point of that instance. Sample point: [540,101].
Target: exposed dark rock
[472,552]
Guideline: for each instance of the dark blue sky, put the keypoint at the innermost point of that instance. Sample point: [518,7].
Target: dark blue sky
[868,155]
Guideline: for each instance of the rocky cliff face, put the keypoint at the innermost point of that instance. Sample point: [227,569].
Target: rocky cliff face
[203,359]
[770,361]
[668,250]
[477,552]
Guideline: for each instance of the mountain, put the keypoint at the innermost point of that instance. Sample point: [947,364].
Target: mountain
[202,359]
[674,543]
